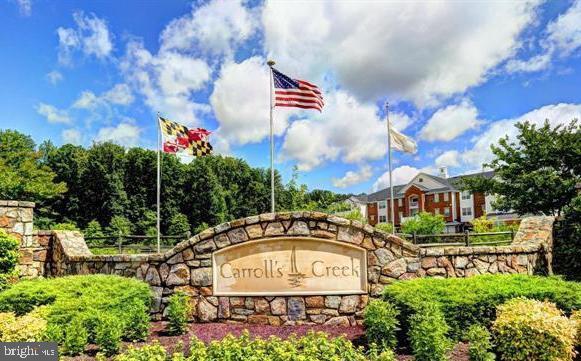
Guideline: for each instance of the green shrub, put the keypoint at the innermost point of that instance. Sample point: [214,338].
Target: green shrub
[27,328]
[108,334]
[8,258]
[424,223]
[81,299]
[178,313]
[533,330]
[473,300]
[312,347]
[137,327]
[479,344]
[381,323]
[65,226]
[386,227]
[153,352]
[376,354]
[93,229]
[427,334]
[576,316]
[75,337]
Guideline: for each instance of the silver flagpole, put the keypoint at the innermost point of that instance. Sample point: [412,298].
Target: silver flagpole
[272,205]
[158,184]
[391,201]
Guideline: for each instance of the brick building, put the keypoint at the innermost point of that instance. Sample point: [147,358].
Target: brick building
[434,194]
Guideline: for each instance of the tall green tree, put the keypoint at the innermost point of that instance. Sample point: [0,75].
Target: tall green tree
[22,174]
[204,202]
[536,173]
[104,195]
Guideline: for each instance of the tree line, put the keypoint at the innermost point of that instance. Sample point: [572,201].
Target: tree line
[110,188]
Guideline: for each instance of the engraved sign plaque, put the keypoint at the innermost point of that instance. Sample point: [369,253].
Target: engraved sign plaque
[290,266]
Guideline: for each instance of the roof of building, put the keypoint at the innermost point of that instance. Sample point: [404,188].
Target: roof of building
[450,184]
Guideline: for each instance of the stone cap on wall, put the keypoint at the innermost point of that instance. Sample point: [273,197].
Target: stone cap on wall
[21,204]
[534,235]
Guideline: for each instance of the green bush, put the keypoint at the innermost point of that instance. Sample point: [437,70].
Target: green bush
[473,300]
[567,242]
[386,227]
[75,337]
[78,301]
[576,316]
[27,328]
[312,347]
[533,330]
[65,226]
[381,323]
[178,313]
[427,334]
[424,223]
[137,327]
[153,352]
[8,258]
[108,334]
[480,345]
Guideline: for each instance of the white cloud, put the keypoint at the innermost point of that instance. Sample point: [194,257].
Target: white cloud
[167,80]
[562,38]
[52,114]
[351,178]
[421,51]
[400,175]
[449,158]
[120,94]
[556,114]
[25,7]
[54,77]
[91,36]
[87,100]
[241,103]
[451,122]
[347,129]
[71,136]
[215,27]
[533,64]
[126,134]
[565,32]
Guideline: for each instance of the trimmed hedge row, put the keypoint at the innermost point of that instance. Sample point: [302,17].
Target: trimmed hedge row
[99,309]
[468,301]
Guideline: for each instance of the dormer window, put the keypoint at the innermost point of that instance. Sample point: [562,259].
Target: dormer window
[420,180]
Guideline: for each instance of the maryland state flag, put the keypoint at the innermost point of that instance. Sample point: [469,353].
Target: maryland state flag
[179,139]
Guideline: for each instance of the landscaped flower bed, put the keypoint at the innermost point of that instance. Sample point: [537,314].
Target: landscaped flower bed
[98,317]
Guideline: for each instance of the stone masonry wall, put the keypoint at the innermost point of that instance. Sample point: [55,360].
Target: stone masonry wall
[16,219]
[188,267]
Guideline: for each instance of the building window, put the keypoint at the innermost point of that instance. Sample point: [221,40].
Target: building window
[382,219]
[372,217]
[382,205]
[420,180]
[467,211]
[436,210]
[466,195]
[447,211]
[413,202]
[445,197]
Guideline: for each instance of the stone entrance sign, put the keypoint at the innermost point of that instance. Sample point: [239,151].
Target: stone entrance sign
[290,266]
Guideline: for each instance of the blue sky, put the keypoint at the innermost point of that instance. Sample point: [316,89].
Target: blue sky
[457,75]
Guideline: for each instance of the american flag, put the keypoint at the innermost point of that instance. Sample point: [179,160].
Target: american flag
[296,93]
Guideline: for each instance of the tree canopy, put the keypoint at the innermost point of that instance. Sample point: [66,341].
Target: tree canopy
[107,188]
[537,173]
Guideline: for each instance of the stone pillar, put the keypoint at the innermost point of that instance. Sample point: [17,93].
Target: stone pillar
[16,219]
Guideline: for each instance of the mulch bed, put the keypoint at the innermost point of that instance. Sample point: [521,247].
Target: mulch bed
[216,331]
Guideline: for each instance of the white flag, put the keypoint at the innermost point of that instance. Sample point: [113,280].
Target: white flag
[401,142]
